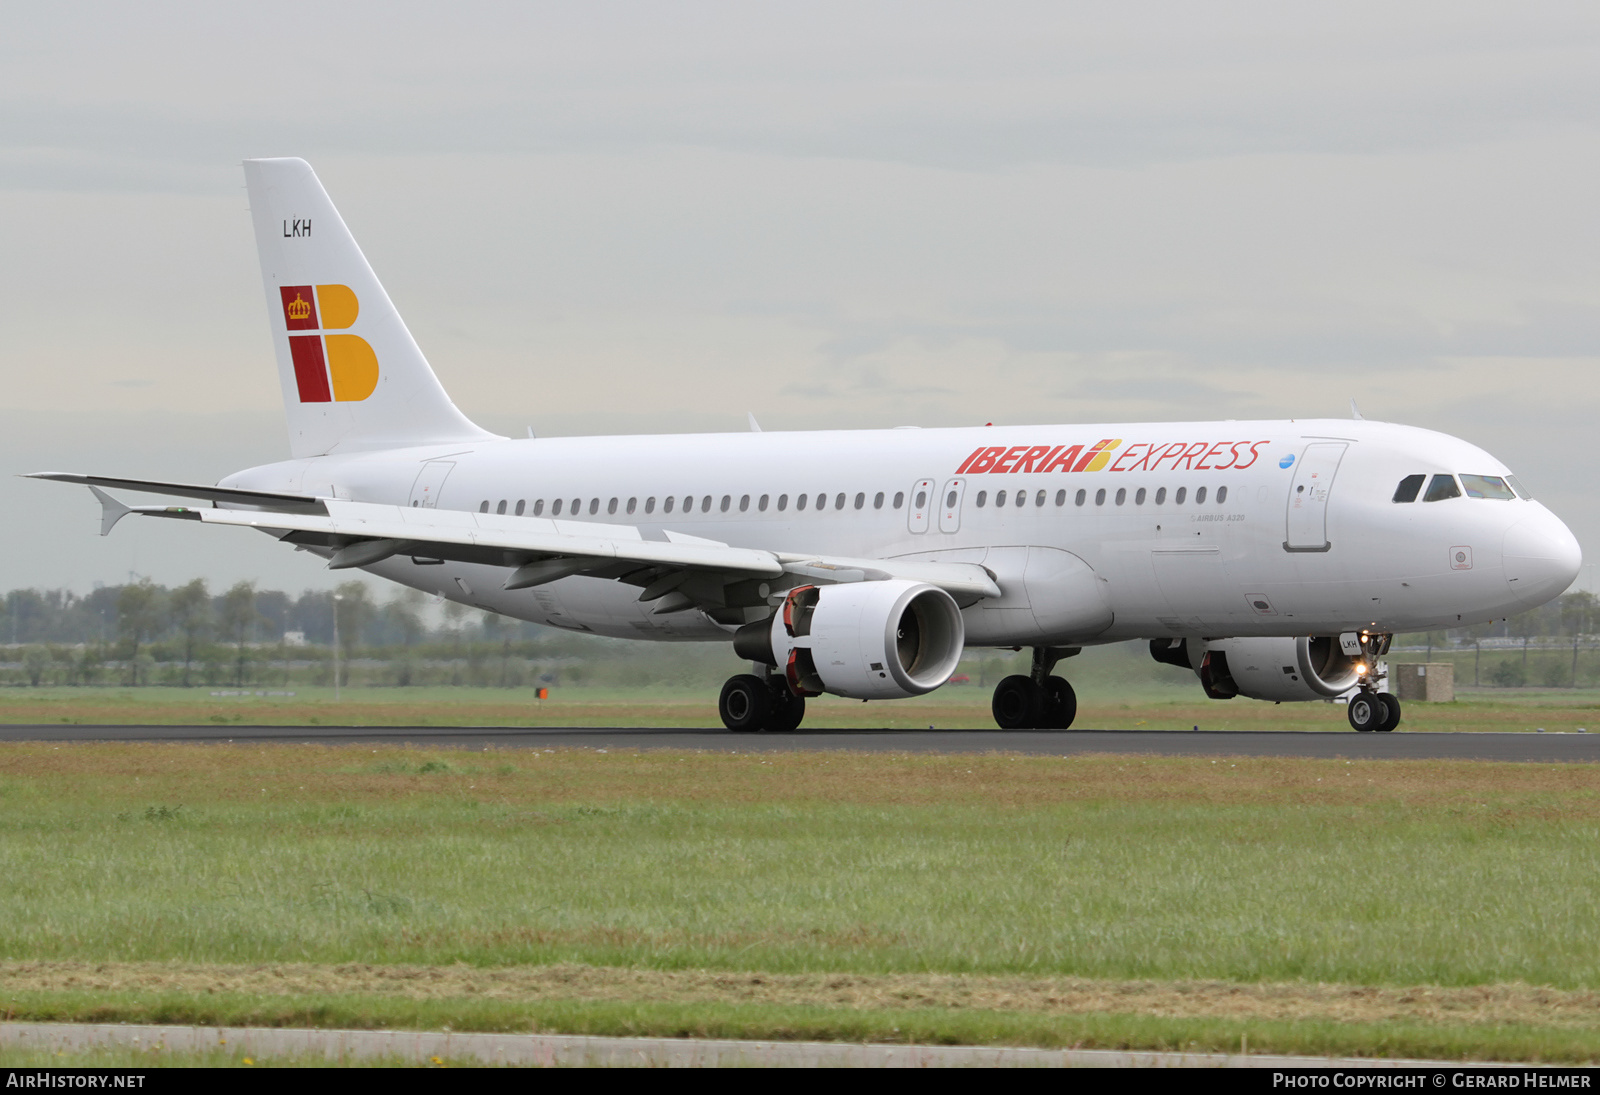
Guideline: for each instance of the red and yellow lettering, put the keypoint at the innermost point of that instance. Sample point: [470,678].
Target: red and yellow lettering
[1004,463]
[1099,456]
[1189,454]
[984,461]
[1209,453]
[1233,447]
[1026,462]
[1062,459]
[1173,450]
[975,454]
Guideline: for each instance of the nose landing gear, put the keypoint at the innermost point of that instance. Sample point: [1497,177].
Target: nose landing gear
[1038,701]
[1370,710]
[1373,711]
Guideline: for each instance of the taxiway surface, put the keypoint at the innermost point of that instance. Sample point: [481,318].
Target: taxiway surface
[1553,747]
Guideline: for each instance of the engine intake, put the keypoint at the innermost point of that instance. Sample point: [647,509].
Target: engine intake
[1279,669]
[865,640]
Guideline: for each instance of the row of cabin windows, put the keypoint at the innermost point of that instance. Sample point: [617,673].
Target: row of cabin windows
[668,504]
[1442,487]
[843,501]
[1120,498]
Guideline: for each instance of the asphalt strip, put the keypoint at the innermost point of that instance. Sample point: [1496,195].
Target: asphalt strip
[577,1050]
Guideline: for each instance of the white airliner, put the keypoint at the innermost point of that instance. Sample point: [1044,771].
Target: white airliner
[1274,559]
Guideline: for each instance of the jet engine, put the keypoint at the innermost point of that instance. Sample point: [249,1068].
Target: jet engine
[866,640]
[1281,670]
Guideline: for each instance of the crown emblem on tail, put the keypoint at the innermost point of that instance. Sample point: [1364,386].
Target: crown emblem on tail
[298,308]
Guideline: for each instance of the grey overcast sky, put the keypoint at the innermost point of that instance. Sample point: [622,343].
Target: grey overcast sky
[615,218]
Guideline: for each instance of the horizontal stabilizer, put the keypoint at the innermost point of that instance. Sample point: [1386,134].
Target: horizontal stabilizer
[287,503]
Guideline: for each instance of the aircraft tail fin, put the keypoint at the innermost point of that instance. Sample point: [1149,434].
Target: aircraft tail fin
[352,376]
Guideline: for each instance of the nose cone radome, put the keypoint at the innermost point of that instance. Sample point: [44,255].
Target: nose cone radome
[1542,558]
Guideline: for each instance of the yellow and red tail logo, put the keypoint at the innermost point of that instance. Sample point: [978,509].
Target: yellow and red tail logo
[327,368]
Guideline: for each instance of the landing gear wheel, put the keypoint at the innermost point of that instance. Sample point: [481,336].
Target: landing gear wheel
[745,704]
[1367,712]
[1018,703]
[1392,705]
[786,710]
[1060,705]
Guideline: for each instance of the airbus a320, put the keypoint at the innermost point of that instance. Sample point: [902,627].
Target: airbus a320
[1275,560]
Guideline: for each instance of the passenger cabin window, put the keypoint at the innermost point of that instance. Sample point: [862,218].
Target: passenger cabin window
[1138,498]
[877,500]
[762,505]
[744,503]
[999,498]
[1022,498]
[1222,495]
[1409,488]
[1486,486]
[521,506]
[861,499]
[594,505]
[666,506]
[1177,499]
[705,504]
[1199,496]
[555,508]
[922,498]
[799,502]
[1100,497]
[611,506]
[538,507]
[577,504]
[1122,495]
[1078,501]
[633,504]
[983,496]
[483,507]
[1061,497]
[899,498]
[727,500]
[1161,495]
[650,504]
[1039,499]
[1442,487]
[783,502]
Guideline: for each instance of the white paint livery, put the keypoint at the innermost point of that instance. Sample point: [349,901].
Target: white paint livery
[1253,544]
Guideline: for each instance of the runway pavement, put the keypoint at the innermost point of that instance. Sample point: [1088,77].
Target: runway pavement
[1553,747]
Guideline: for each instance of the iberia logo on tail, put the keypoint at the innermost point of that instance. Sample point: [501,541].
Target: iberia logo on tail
[327,367]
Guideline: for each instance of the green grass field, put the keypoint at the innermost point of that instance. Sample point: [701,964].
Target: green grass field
[1400,908]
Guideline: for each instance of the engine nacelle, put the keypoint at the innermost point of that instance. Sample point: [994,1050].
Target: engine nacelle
[1281,670]
[866,640]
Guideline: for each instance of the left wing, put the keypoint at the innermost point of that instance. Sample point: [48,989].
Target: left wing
[675,569]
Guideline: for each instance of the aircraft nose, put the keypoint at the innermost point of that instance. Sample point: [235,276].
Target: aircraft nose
[1542,558]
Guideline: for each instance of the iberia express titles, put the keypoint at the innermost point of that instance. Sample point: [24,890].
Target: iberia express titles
[1140,456]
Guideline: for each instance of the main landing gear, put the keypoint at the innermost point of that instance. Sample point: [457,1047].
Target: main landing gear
[1373,711]
[749,703]
[1038,701]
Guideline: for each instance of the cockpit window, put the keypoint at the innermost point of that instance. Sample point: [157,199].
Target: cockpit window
[1486,486]
[1442,487]
[1516,484]
[1408,488]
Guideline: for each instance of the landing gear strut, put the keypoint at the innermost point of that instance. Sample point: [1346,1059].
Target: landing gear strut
[1038,701]
[749,703]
